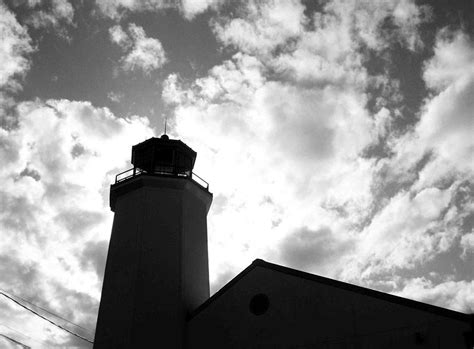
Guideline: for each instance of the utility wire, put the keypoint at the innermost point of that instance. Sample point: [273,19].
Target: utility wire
[15,341]
[22,334]
[47,311]
[44,318]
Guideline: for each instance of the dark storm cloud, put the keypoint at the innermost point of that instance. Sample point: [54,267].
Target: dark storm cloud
[311,249]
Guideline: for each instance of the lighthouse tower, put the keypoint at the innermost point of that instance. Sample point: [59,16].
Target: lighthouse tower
[157,263]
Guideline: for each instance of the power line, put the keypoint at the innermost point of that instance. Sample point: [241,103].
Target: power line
[15,341]
[47,311]
[22,334]
[44,318]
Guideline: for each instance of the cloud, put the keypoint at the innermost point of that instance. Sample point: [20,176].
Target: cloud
[15,49]
[115,97]
[445,125]
[283,128]
[223,278]
[141,52]
[117,9]
[386,23]
[467,243]
[55,220]
[427,213]
[281,150]
[192,8]
[312,249]
[61,13]
[408,231]
[263,27]
[456,295]
[452,60]
[95,255]
[119,37]
[55,16]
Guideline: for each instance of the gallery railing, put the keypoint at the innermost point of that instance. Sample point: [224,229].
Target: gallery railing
[161,171]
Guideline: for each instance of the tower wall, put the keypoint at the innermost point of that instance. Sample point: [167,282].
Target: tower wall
[157,264]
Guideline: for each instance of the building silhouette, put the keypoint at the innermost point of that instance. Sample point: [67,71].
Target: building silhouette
[156,286]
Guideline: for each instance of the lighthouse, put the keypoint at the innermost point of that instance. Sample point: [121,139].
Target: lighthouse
[157,264]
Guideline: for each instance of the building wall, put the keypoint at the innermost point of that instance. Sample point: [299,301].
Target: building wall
[195,264]
[307,314]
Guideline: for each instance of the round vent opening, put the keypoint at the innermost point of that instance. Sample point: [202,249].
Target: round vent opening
[259,304]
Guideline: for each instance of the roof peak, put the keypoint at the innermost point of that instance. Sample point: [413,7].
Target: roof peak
[338,284]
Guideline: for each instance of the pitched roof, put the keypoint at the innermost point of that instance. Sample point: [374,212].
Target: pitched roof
[334,283]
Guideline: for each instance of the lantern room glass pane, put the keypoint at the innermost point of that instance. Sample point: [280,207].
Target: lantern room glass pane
[164,156]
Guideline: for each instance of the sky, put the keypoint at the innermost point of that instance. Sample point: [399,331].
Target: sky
[336,136]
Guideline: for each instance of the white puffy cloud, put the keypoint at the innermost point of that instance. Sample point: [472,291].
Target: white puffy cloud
[467,243]
[282,127]
[409,230]
[189,8]
[296,143]
[15,49]
[264,27]
[141,52]
[119,37]
[456,295]
[15,45]
[55,221]
[452,60]
[117,8]
[445,127]
[330,52]
[431,171]
[306,249]
[277,153]
[61,12]
[54,15]
[385,23]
